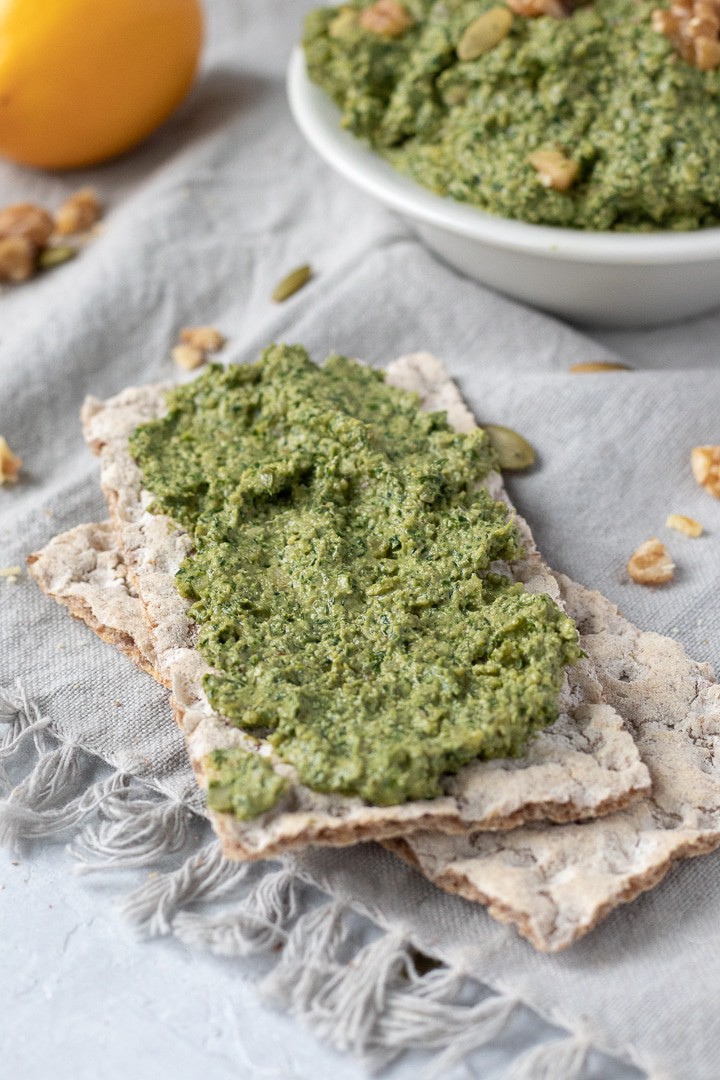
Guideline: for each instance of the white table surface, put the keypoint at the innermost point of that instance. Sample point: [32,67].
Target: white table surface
[84,999]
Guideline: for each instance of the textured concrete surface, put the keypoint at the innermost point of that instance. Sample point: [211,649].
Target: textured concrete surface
[82,998]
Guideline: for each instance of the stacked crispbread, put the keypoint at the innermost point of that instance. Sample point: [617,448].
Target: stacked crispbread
[597,810]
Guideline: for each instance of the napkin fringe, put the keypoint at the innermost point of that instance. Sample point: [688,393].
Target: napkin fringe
[137,827]
[258,924]
[376,1001]
[203,878]
[381,1001]
[55,797]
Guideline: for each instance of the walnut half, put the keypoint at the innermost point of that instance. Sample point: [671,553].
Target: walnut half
[26,220]
[18,258]
[205,338]
[386,18]
[651,564]
[78,213]
[693,28]
[705,463]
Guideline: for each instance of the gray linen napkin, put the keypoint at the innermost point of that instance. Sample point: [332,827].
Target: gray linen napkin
[202,222]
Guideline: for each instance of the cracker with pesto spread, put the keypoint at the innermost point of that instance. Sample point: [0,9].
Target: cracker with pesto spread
[553,883]
[585,765]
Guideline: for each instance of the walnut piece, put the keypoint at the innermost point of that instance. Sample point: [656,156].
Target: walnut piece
[554,169]
[10,464]
[27,234]
[386,18]
[18,258]
[705,462]
[693,28]
[188,357]
[687,525]
[651,564]
[78,213]
[26,220]
[205,338]
[484,33]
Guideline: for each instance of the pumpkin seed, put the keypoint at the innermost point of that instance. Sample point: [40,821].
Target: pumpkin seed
[484,33]
[513,451]
[291,284]
[55,256]
[597,365]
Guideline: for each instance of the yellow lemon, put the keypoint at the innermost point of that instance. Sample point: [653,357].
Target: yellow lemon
[84,80]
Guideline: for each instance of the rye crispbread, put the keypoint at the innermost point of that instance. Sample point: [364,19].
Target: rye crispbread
[554,883]
[584,766]
[83,570]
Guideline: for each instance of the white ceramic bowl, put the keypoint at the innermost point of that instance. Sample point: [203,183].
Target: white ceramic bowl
[602,279]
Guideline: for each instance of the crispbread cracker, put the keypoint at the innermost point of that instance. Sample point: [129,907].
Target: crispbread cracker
[83,569]
[556,883]
[584,766]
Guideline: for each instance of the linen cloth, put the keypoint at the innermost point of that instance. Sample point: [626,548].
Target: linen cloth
[203,220]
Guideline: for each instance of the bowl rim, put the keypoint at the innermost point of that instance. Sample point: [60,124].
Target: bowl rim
[319,121]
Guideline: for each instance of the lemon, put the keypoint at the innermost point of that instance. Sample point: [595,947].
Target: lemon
[84,80]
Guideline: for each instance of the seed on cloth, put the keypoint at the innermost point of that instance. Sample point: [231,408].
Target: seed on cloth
[513,451]
[291,284]
[590,366]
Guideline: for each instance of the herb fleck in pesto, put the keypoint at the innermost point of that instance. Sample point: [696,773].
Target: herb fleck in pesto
[601,87]
[341,578]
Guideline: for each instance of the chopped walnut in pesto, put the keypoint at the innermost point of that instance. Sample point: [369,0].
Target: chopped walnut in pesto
[693,27]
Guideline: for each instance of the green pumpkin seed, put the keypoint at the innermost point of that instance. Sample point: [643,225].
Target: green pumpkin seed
[55,256]
[291,284]
[597,365]
[485,33]
[512,450]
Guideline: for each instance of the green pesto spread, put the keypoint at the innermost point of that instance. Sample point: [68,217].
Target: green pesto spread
[341,579]
[242,783]
[601,86]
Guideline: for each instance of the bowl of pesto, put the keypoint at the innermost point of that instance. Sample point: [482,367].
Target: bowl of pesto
[568,158]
